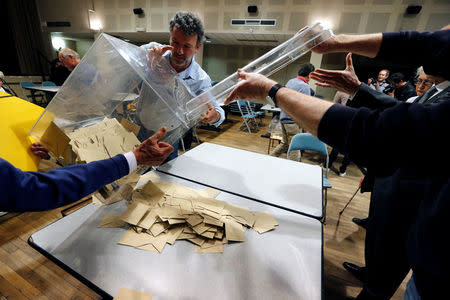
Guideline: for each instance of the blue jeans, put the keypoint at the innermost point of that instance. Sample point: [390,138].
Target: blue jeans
[411,292]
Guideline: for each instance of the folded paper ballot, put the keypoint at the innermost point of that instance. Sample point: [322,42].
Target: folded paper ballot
[163,212]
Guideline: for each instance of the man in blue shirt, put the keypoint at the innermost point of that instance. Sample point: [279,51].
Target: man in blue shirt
[186,37]
[289,127]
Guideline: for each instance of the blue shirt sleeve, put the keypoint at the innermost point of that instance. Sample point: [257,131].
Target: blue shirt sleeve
[33,191]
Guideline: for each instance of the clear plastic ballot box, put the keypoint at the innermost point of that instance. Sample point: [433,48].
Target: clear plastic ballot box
[119,80]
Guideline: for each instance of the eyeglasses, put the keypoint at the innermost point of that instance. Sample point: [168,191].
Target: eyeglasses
[424,82]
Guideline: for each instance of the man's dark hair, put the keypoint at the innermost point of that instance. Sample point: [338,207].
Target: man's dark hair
[397,77]
[305,69]
[189,23]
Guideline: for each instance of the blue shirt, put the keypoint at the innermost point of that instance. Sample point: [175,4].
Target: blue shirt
[194,77]
[299,86]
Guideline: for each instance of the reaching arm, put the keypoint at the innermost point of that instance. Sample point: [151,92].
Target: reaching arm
[33,191]
[366,44]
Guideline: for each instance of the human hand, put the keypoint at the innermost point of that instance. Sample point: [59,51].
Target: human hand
[345,81]
[369,81]
[39,150]
[152,152]
[253,87]
[156,64]
[212,116]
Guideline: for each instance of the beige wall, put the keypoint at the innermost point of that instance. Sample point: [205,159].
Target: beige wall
[82,46]
[355,16]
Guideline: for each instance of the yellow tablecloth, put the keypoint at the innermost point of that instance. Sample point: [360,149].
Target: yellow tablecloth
[17,116]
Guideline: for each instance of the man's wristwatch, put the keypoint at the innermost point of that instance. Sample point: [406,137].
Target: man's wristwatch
[272,93]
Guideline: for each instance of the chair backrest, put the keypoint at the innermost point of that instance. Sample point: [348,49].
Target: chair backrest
[48,83]
[26,84]
[306,141]
[243,104]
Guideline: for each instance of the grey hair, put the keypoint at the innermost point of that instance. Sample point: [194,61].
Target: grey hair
[189,23]
[67,51]
[418,71]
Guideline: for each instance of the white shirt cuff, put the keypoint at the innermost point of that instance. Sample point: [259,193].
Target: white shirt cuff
[131,159]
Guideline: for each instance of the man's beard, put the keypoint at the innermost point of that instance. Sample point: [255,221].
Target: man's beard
[185,62]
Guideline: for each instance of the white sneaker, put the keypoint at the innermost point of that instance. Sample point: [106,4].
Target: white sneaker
[343,174]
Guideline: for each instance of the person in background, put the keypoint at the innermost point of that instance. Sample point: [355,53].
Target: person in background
[69,58]
[34,191]
[341,98]
[288,126]
[423,84]
[58,72]
[186,37]
[381,82]
[403,88]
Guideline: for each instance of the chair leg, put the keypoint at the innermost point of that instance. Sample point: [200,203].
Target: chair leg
[246,124]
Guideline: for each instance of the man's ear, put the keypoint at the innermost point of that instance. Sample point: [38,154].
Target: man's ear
[198,48]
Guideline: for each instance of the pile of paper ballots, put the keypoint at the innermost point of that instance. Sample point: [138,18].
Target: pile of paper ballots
[163,212]
[102,140]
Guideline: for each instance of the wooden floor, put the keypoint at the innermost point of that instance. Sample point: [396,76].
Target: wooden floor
[26,274]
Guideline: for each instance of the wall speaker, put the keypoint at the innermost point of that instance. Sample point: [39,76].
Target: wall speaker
[138,11]
[252,9]
[413,9]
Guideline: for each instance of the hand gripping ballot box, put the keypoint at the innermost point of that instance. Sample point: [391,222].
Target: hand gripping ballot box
[118,80]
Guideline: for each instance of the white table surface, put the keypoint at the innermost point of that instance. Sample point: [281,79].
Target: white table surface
[52,89]
[289,184]
[285,263]
[271,108]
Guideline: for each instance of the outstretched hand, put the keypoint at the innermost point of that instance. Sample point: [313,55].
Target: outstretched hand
[152,152]
[345,81]
[212,116]
[253,87]
[39,150]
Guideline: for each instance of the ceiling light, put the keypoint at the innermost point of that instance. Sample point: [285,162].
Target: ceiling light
[58,43]
[325,23]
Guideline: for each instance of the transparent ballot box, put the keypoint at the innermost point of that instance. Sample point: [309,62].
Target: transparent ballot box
[271,62]
[118,80]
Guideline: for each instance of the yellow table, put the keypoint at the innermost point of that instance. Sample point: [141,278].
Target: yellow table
[17,116]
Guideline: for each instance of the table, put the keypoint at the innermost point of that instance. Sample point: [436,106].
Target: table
[285,263]
[49,91]
[271,108]
[280,182]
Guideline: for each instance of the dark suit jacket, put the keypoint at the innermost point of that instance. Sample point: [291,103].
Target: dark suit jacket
[394,138]
[34,191]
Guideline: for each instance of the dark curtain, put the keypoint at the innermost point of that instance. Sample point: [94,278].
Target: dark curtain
[26,32]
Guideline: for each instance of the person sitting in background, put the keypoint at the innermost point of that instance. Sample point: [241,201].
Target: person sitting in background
[288,126]
[381,82]
[69,58]
[423,84]
[58,72]
[403,88]
[34,191]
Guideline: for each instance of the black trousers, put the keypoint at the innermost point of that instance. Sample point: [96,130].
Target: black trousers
[345,161]
[393,209]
